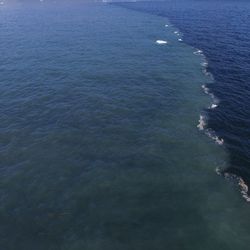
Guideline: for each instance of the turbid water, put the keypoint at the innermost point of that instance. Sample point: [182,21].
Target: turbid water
[99,141]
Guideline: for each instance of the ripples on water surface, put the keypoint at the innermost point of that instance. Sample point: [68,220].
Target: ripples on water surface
[221,30]
[99,145]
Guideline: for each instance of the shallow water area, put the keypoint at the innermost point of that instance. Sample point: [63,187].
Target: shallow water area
[99,141]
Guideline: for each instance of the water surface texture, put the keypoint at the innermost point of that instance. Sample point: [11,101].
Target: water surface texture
[99,142]
[220,28]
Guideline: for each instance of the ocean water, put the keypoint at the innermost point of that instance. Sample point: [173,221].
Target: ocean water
[220,28]
[100,148]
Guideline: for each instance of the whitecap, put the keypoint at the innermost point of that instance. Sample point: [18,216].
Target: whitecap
[213,106]
[218,171]
[166,25]
[214,137]
[241,183]
[205,89]
[180,40]
[243,186]
[205,72]
[202,123]
[215,101]
[204,64]
[198,52]
[210,133]
[161,42]
[218,140]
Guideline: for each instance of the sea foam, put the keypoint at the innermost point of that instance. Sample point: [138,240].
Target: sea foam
[241,183]
[210,133]
[202,123]
[215,101]
[213,106]
[238,180]
[198,52]
[161,42]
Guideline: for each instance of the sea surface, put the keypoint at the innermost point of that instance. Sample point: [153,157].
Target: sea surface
[221,29]
[99,144]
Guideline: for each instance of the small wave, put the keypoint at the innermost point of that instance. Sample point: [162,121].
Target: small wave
[198,52]
[213,106]
[202,123]
[210,133]
[204,64]
[205,72]
[244,189]
[241,183]
[215,101]
[166,25]
[218,171]
[205,88]
[180,40]
[161,42]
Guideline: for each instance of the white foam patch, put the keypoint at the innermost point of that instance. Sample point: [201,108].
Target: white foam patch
[198,52]
[241,183]
[218,171]
[214,137]
[180,40]
[205,72]
[205,89]
[166,25]
[202,123]
[215,101]
[161,42]
[213,106]
[204,64]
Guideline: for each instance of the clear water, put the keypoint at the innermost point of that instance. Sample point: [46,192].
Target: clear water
[99,141]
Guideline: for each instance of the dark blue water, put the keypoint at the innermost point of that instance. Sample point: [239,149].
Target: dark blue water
[222,30]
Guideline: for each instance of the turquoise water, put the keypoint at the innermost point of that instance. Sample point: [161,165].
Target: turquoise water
[99,141]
